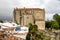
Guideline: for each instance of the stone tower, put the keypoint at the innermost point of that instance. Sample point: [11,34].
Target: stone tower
[24,16]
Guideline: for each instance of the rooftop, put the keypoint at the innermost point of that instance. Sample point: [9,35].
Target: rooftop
[28,8]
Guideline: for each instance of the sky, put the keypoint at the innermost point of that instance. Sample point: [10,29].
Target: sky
[7,6]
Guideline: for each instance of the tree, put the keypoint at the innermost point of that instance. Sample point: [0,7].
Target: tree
[32,31]
[54,25]
[48,24]
[56,17]
[28,36]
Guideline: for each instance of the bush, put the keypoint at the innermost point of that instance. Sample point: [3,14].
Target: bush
[1,21]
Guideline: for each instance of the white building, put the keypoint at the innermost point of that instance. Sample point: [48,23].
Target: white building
[14,29]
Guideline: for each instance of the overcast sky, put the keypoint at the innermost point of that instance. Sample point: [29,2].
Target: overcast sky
[7,6]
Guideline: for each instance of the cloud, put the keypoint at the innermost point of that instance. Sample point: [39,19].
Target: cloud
[7,6]
[53,7]
[23,3]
